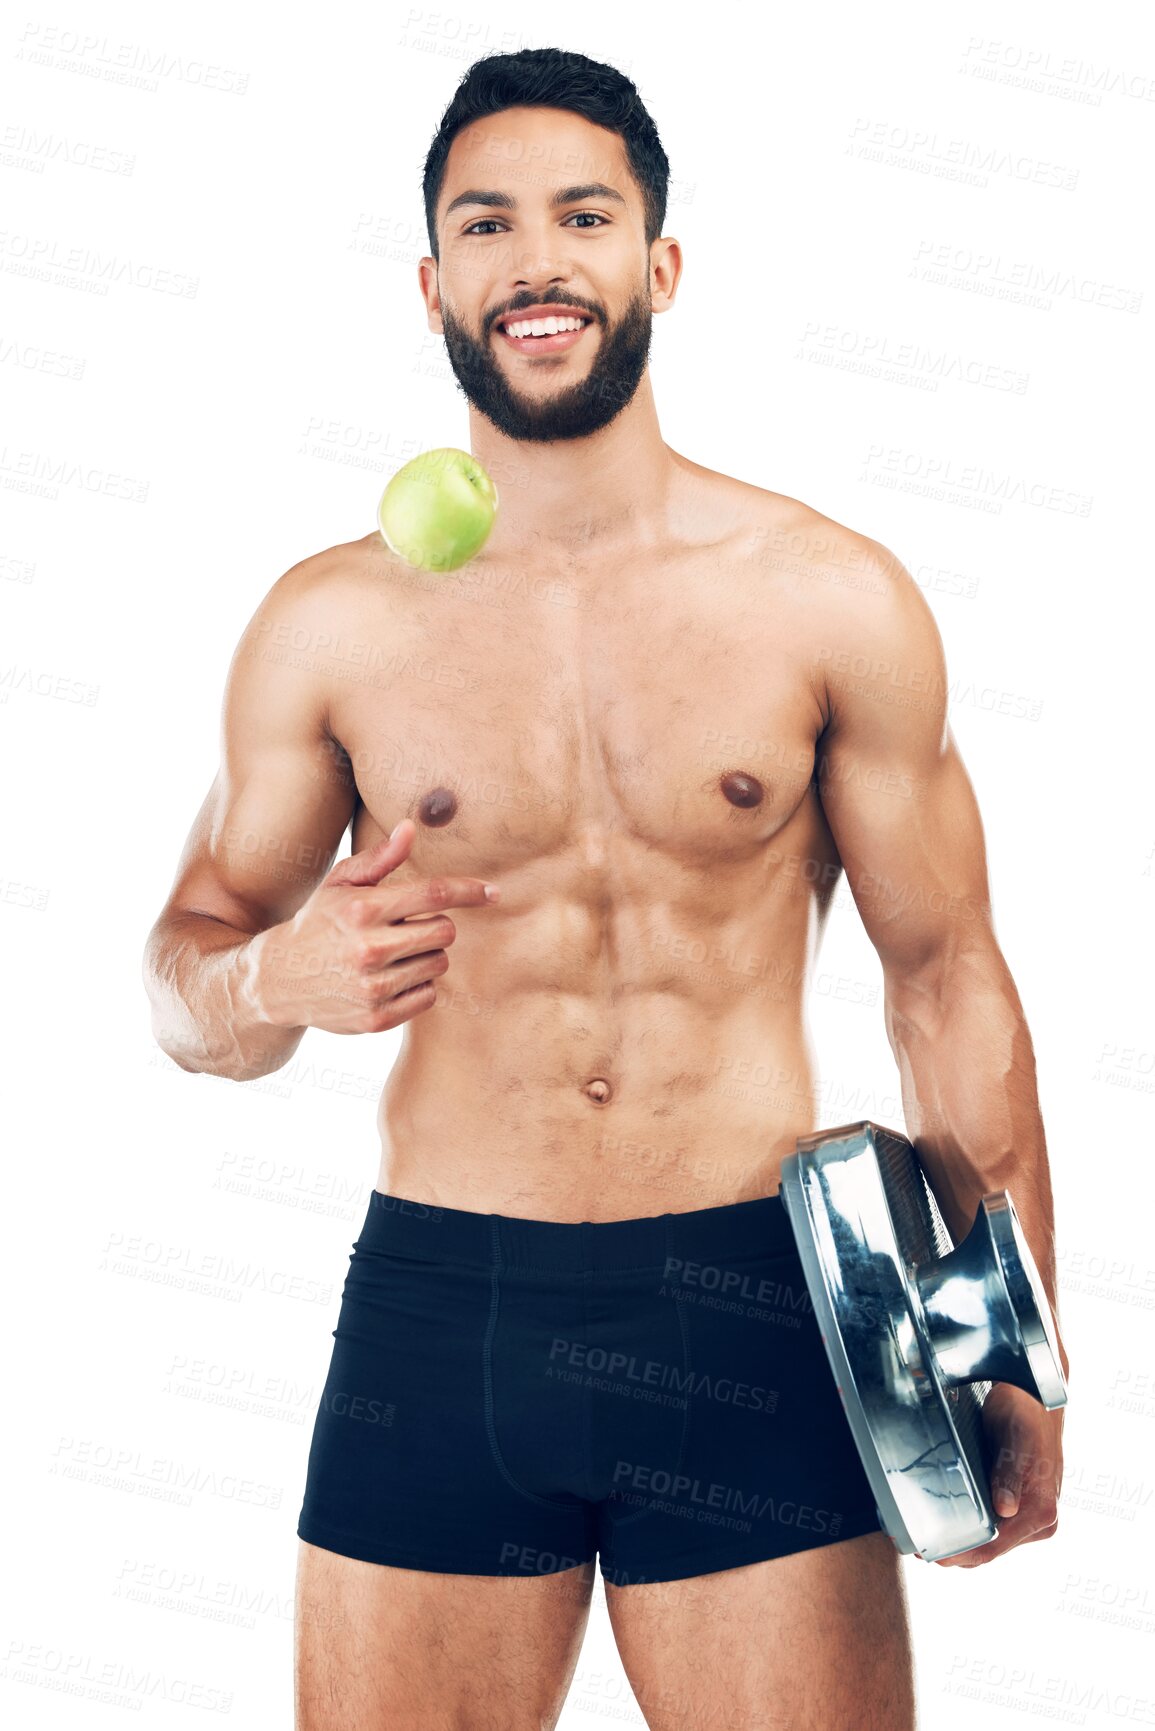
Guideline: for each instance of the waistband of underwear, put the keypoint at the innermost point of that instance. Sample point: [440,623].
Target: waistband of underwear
[756,1227]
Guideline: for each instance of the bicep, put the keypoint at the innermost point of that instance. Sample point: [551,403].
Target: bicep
[894,789]
[283,794]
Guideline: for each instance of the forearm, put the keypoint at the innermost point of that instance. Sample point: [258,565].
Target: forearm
[209,1013]
[970,1098]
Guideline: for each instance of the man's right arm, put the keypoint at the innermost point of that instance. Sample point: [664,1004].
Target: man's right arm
[266,835]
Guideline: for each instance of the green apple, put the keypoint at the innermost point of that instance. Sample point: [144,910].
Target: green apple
[437,511]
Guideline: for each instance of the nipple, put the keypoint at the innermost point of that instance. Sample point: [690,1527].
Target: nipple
[437,807]
[742,790]
[599,1089]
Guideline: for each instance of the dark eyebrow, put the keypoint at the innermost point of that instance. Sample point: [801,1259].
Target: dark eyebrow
[503,201]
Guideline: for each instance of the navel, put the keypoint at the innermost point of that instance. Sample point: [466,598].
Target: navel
[437,807]
[599,1089]
[742,790]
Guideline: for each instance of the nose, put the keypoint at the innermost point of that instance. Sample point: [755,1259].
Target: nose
[538,283]
[543,258]
[538,277]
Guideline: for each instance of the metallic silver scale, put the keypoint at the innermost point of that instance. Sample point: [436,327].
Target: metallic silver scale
[916,1330]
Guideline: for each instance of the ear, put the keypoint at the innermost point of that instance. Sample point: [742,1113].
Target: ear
[427,279]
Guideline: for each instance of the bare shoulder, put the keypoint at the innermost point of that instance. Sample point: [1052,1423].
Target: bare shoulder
[787,536]
[347,564]
[840,569]
[849,597]
[324,593]
[307,625]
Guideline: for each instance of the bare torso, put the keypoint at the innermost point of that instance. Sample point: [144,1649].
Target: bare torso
[628,747]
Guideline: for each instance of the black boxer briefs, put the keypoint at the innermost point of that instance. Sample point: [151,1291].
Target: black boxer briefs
[511,1397]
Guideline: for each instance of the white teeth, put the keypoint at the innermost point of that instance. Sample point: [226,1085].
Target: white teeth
[542,327]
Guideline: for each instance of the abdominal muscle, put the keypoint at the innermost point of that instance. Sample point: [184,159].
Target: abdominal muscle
[556,1105]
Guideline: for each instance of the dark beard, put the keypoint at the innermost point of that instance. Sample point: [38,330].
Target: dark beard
[572,412]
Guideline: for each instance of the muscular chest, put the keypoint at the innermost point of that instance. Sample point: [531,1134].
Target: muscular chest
[515,722]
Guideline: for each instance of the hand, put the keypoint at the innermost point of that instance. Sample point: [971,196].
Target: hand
[347,961]
[1025,1450]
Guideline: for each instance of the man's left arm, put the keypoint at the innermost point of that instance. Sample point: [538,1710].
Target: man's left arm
[906,823]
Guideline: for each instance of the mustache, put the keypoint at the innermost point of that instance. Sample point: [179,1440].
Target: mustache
[511,312]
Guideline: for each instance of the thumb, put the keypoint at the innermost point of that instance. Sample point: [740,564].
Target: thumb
[1007,1479]
[1006,1496]
[372,863]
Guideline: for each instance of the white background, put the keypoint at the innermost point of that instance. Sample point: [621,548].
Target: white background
[886,214]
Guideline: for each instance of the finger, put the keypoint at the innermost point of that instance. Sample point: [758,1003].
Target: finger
[1007,1476]
[401,976]
[422,938]
[370,864]
[1023,1479]
[390,902]
[1022,1529]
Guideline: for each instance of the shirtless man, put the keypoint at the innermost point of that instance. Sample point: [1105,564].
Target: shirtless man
[662,710]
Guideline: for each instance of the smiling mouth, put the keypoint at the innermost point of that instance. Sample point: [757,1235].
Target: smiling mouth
[548,344]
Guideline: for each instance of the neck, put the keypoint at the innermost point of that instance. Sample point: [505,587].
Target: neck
[609,489]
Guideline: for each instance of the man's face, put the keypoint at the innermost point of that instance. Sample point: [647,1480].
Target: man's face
[585,256]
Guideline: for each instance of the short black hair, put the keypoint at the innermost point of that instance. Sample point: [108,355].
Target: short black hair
[554,78]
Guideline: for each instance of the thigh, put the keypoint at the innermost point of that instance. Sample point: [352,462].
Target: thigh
[815,1641]
[379,1647]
